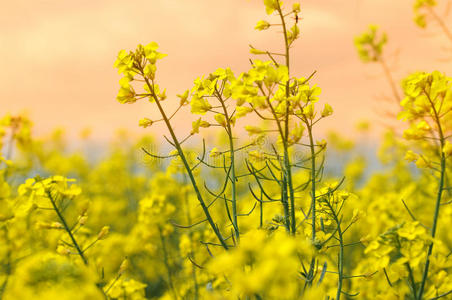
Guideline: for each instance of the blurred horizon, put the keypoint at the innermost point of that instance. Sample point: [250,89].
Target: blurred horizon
[58,57]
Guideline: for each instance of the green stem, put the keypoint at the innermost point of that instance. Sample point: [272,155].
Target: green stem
[233,177]
[438,197]
[66,227]
[340,261]
[8,264]
[287,165]
[435,223]
[313,178]
[186,165]
[166,262]
[71,236]
[410,274]
[261,216]
[193,271]
[411,277]
[284,198]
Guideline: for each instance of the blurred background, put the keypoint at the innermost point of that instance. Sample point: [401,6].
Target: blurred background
[57,56]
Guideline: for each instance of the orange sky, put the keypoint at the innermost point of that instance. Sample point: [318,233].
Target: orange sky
[57,55]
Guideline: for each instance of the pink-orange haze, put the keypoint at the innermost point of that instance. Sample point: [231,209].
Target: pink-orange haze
[57,55]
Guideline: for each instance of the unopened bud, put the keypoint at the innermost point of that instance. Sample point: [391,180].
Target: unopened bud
[124,266]
[103,233]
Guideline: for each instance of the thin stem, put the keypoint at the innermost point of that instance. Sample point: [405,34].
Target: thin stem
[313,177]
[284,138]
[8,268]
[189,220]
[233,177]
[340,260]
[442,295]
[66,227]
[113,283]
[166,262]
[438,197]
[441,23]
[186,165]
[390,79]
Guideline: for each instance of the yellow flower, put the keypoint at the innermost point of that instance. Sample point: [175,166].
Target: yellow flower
[126,94]
[411,156]
[214,152]
[262,25]
[124,266]
[197,124]
[410,230]
[145,122]
[149,71]
[422,125]
[257,51]
[271,6]
[308,111]
[183,98]
[296,134]
[220,119]
[321,143]
[253,129]
[242,111]
[327,111]
[199,105]
[423,162]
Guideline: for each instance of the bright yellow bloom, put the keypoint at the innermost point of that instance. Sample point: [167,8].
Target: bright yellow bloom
[145,122]
[327,110]
[271,6]
[220,118]
[411,156]
[308,111]
[423,162]
[197,124]
[242,111]
[183,98]
[256,51]
[262,25]
[253,129]
[199,105]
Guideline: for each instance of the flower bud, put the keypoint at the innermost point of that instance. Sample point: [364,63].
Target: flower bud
[103,233]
